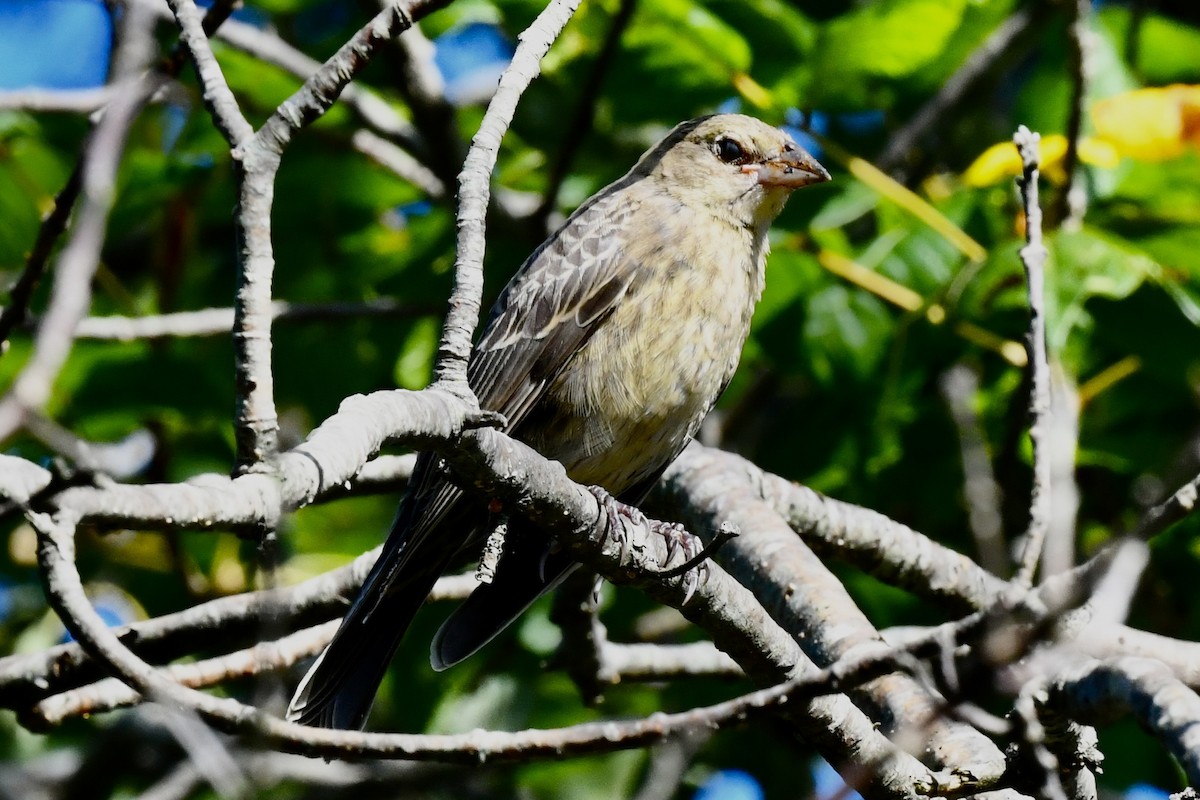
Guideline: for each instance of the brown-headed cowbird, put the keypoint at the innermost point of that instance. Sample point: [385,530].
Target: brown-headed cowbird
[604,352]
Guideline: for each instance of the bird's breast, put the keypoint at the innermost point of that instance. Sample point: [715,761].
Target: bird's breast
[639,388]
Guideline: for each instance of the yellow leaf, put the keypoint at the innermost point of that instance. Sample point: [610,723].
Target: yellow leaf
[1150,124]
[998,162]
[1001,161]
[752,91]
[1098,152]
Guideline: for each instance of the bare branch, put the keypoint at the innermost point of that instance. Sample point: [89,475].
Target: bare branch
[30,677]
[218,97]
[1007,36]
[1101,691]
[960,385]
[56,554]
[1062,441]
[257,159]
[1072,201]
[72,292]
[887,549]
[215,321]
[474,191]
[75,101]
[1033,257]
[266,45]
[111,694]
[622,663]
[800,592]
[585,110]
[55,222]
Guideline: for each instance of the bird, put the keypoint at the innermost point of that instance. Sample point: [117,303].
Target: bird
[605,352]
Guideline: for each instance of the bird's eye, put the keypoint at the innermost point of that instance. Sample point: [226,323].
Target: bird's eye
[729,151]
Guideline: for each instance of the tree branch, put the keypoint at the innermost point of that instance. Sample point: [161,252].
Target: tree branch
[1033,257]
[454,350]
[72,292]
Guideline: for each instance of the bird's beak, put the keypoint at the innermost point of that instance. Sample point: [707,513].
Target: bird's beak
[791,169]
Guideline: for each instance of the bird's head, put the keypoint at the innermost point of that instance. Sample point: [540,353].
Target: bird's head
[736,167]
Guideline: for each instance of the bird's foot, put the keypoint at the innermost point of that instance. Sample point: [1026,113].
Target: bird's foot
[613,509]
[694,569]
[695,560]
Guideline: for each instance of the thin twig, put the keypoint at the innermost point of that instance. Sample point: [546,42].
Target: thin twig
[454,350]
[53,226]
[72,292]
[1033,258]
[999,43]
[423,87]
[218,97]
[1176,507]
[215,321]
[111,694]
[1072,200]
[204,750]
[74,101]
[324,86]
[960,385]
[55,222]
[398,161]
[586,102]
[121,459]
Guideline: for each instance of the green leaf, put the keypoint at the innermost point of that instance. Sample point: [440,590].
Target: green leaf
[1084,265]
[680,57]
[779,36]
[887,39]
[1166,46]
[846,331]
[415,365]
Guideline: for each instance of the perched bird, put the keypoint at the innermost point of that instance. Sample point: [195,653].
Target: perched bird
[604,352]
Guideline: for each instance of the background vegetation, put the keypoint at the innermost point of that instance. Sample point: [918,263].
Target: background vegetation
[840,387]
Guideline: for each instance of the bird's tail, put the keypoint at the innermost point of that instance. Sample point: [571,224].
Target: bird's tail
[339,688]
[528,569]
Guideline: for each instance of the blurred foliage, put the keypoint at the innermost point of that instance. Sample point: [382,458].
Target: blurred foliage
[839,384]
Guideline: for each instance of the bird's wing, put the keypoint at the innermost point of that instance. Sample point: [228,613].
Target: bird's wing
[558,298]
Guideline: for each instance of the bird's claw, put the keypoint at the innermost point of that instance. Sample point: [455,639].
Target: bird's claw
[613,510]
[678,539]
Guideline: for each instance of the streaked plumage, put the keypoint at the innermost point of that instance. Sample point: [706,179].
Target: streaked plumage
[604,352]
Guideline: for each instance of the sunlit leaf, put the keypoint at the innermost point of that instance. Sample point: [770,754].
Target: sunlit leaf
[1151,124]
